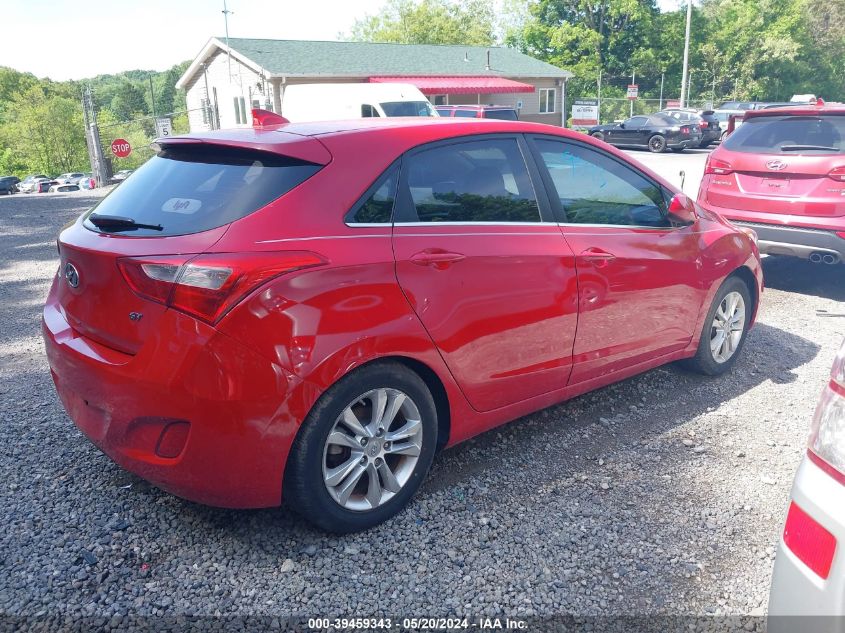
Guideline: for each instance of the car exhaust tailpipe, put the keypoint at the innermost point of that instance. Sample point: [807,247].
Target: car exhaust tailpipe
[816,258]
[830,259]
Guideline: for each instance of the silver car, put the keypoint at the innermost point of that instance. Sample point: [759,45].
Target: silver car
[809,574]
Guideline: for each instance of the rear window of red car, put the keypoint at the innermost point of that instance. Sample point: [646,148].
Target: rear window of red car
[197,188]
[790,134]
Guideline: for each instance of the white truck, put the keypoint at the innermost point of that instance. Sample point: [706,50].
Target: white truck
[328,102]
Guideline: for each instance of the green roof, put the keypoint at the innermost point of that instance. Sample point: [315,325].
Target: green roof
[363,59]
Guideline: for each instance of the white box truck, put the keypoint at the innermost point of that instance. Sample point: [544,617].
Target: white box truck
[329,102]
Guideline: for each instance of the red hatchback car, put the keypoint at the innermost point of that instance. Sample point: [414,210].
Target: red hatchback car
[782,173]
[309,311]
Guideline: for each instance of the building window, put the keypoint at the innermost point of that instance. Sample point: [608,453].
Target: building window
[547,100]
[440,100]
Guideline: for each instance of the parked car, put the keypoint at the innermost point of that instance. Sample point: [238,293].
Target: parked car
[738,105]
[809,572]
[256,351]
[706,121]
[28,184]
[43,185]
[63,187]
[323,102]
[122,175]
[87,182]
[8,185]
[70,177]
[658,132]
[782,173]
[506,113]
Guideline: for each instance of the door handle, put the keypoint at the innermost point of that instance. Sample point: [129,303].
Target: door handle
[598,257]
[436,258]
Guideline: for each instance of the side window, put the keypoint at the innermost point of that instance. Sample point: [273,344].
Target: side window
[475,181]
[377,205]
[368,111]
[595,189]
[466,113]
[637,121]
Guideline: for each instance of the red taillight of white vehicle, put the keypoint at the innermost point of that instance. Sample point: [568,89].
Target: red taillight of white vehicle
[208,286]
[827,435]
[809,541]
[717,166]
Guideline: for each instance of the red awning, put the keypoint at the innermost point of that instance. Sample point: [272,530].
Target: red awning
[458,85]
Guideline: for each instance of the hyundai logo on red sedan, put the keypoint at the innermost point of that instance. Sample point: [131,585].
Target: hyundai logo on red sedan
[342,300]
[71,275]
[776,165]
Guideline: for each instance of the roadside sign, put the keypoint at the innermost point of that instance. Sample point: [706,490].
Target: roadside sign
[673,103]
[121,148]
[633,91]
[164,126]
[585,113]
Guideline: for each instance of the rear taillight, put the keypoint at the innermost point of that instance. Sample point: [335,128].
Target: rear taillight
[841,234]
[703,125]
[208,286]
[684,129]
[809,541]
[717,166]
[827,435]
[837,173]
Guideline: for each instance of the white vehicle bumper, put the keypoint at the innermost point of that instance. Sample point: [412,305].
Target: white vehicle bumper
[796,589]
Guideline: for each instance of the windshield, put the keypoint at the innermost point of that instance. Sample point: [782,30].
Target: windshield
[824,134]
[408,108]
[193,189]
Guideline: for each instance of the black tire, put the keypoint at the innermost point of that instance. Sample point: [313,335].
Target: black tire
[598,135]
[304,488]
[704,362]
[657,144]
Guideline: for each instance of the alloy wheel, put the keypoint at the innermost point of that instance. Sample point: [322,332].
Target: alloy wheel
[372,449]
[727,327]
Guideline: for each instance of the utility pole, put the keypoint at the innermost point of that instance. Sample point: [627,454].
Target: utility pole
[633,81]
[686,55]
[100,167]
[226,13]
[599,99]
[662,74]
[152,95]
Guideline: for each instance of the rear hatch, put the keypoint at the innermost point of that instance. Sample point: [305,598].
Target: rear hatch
[786,164]
[178,204]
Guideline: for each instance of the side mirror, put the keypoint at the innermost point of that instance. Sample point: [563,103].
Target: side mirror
[682,210]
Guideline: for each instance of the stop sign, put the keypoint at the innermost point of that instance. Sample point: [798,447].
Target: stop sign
[120,147]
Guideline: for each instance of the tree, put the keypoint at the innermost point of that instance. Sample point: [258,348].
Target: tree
[428,22]
[129,102]
[44,133]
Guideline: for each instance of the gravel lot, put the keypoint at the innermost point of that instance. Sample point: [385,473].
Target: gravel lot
[660,495]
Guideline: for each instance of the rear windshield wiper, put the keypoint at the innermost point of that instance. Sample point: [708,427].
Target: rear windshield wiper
[800,148]
[118,223]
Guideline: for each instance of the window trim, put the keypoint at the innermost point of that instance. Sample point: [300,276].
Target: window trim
[348,217]
[554,201]
[404,210]
[540,92]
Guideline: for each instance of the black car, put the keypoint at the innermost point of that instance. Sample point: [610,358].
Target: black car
[706,121]
[657,132]
[8,185]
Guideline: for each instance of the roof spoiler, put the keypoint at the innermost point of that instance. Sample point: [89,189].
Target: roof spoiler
[265,118]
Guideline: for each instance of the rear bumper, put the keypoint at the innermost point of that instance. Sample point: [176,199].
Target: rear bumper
[797,242]
[135,408]
[693,141]
[796,590]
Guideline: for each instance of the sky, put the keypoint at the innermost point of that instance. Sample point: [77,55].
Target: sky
[66,39]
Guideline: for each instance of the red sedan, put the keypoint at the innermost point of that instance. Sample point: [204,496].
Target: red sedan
[308,312]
